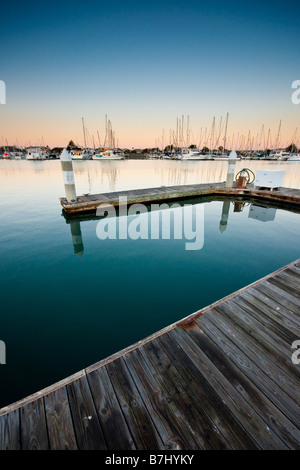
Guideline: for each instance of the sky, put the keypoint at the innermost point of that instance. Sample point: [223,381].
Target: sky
[145,64]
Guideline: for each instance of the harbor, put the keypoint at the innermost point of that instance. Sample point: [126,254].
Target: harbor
[170,152]
[213,144]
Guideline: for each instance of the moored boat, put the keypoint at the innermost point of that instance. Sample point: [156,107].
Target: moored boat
[193,154]
[294,158]
[85,154]
[109,154]
[278,155]
[35,153]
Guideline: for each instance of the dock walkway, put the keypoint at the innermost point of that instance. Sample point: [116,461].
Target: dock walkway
[90,202]
[222,378]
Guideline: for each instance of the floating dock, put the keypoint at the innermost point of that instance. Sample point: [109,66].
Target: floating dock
[221,378]
[90,203]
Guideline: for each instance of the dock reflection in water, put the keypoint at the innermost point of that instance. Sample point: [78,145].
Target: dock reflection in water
[264,212]
[225,215]
[76,238]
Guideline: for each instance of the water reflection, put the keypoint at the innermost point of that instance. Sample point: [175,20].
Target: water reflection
[100,177]
[264,212]
[76,237]
[111,174]
[225,215]
[239,206]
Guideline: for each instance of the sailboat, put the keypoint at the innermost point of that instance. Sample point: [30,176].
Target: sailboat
[85,154]
[186,152]
[109,152]
[35,153]
[194,154]
[294,158]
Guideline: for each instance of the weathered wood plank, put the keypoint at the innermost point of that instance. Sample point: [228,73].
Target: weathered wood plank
[41,393]
[200,424]
[180,192]
[137,416]
[285,285]
[283,297]
[262,378]
[260,353]
[292,320]
[10,431]
[257,329]
[169,423]
[59,422]
[290,278]
[208,400]
[260,417]
[283,300]
[293,273]
[88,431]
[83,199]
[295,269]
[115,429]
[34,434]
[275,317]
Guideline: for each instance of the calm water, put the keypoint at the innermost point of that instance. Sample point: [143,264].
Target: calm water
[61,312]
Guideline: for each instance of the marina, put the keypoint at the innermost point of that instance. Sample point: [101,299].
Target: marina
[221,378]
[234,353]
[113,153]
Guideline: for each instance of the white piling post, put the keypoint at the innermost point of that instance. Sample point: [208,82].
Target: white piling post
[68,176]
[231,168]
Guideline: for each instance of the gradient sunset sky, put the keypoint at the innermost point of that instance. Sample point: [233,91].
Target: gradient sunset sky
[144,64]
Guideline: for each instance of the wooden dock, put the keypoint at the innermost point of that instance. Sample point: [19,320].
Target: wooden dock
[222,378]
[90,202]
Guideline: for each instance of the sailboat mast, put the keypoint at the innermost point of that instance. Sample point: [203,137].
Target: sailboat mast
[105,143]
[225,133]
[212,135]
[200,139]
[268,139]
[278,135]
[262,136]
[84,137]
